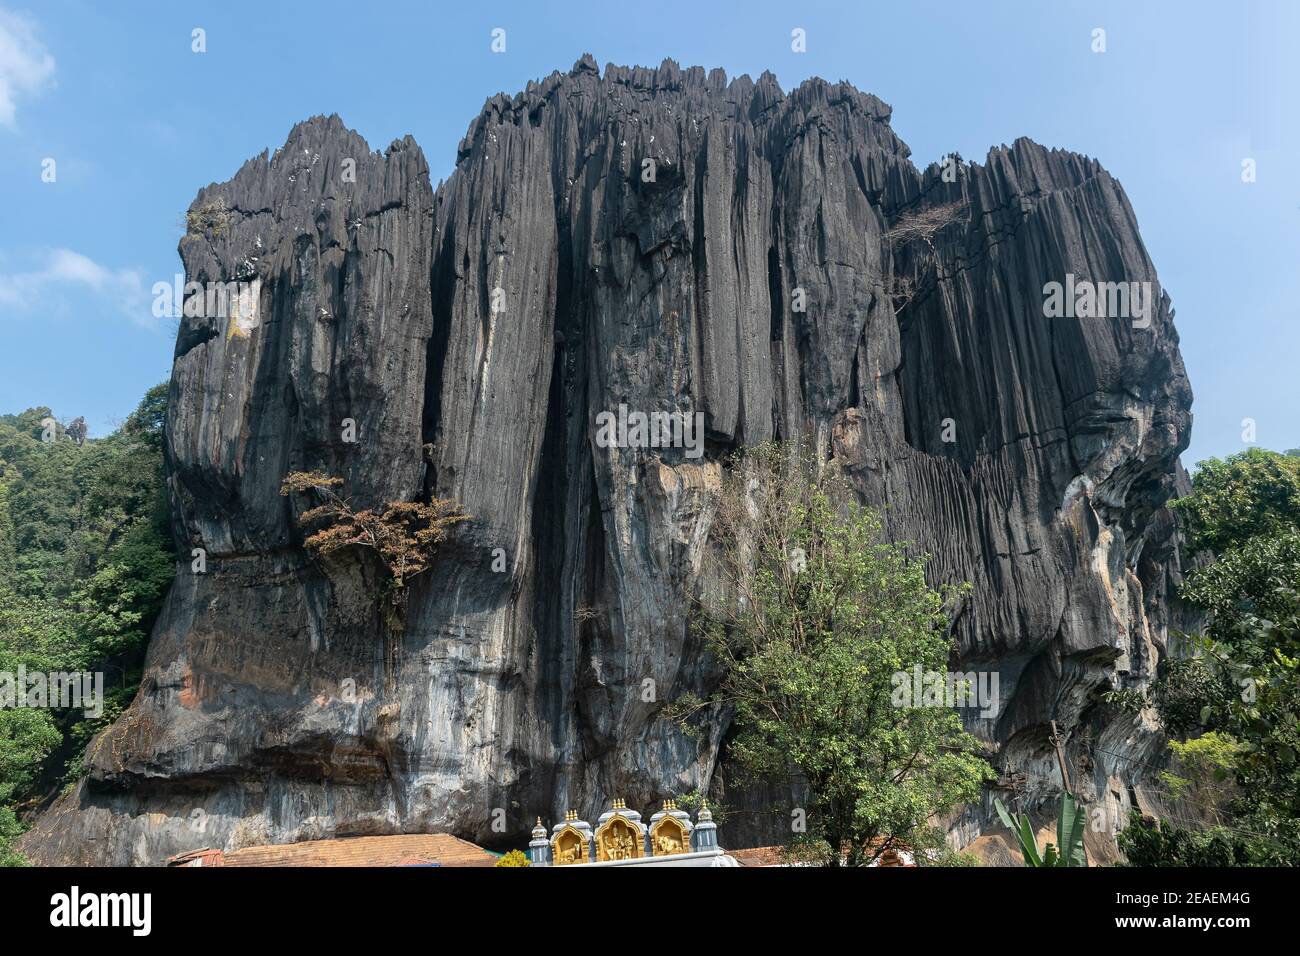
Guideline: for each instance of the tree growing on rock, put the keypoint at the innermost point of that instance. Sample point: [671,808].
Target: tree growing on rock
[917,228]
[404,535]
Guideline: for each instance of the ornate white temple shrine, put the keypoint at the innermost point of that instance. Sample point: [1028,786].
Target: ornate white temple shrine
[622,839]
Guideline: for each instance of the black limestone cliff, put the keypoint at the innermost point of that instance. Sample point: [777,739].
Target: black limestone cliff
[275,707]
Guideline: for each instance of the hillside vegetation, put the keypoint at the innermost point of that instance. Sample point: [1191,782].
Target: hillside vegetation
[85,561]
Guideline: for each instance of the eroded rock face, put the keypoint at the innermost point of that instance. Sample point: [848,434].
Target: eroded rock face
[637,238]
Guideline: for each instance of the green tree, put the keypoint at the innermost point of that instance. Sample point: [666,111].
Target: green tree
[26,738]
[1244,682]
[1147,841]
[85,562]
[1207,765]
[1239,498]
[813,615]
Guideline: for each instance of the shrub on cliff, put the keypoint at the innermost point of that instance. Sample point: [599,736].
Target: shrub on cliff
[404,535]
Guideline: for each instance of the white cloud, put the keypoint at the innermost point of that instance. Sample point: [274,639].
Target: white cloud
[25,66]
[42,289]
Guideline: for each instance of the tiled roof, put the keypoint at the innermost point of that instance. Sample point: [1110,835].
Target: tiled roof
[777,856]
[411,849]
[759,856]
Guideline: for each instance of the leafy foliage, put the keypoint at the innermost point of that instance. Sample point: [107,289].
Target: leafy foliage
[1149,842]
[1068,848]
[513,858]
[1204,765]
[946,856]
[210,217]
[694,800]
[1187,691]
[1239,498]
[85,561]
[1244,683]
[814,616]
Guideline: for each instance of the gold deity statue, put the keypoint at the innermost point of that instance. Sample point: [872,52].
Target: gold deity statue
[569,846]
[668,836]
[618,838]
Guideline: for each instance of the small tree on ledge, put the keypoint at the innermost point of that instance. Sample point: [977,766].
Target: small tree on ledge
[404,535]
[919,228]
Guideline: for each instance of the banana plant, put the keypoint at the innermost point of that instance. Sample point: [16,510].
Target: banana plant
[1068,849]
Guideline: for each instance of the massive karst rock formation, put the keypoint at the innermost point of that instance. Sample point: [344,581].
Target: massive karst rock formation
[276,707]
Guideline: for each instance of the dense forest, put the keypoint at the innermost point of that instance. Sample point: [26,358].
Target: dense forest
[1229,699]
[85,561]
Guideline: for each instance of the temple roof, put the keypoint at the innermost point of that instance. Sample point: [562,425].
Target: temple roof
[409,849]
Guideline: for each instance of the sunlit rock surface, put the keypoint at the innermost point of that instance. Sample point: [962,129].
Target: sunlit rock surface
[528,680]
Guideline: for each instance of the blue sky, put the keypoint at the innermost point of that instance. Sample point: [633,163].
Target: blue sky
[137,122]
